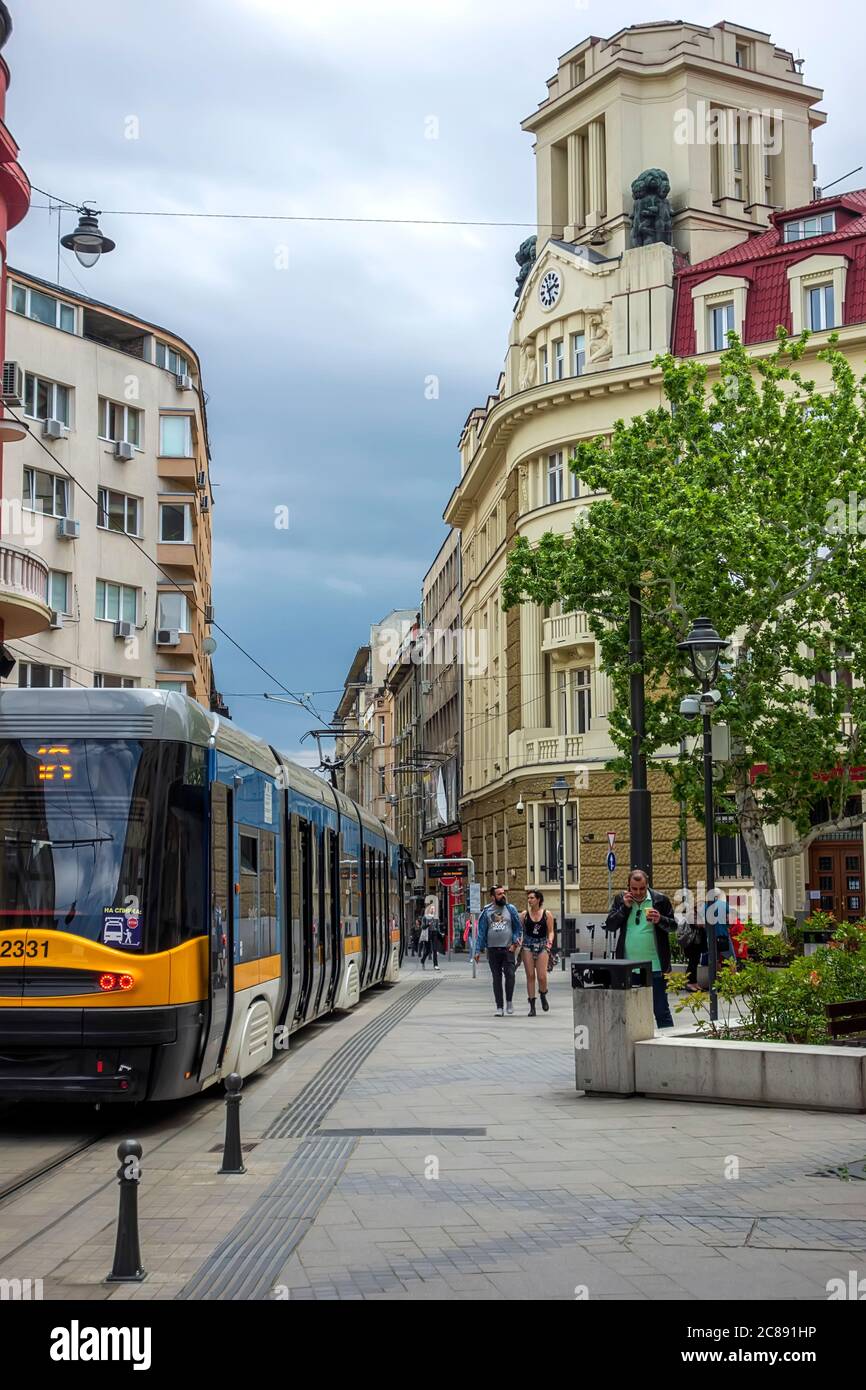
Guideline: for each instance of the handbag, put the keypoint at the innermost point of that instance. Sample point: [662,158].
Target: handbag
[688,935]
[425,936]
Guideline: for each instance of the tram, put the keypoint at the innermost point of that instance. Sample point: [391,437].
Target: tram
[176,897]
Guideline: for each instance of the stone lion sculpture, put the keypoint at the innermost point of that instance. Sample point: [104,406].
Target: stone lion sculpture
[651,216]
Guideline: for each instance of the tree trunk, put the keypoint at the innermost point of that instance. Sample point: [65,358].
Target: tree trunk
[767,908]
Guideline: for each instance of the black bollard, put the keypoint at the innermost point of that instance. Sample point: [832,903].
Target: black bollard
[233,1154]
[127,1253]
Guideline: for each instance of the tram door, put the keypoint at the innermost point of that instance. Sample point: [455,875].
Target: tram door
[221,953]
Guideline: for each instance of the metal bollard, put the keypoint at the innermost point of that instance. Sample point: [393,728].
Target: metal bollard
[127,1253]
[233,1154]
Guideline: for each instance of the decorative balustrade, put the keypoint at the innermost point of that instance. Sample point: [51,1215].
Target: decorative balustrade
[23,590]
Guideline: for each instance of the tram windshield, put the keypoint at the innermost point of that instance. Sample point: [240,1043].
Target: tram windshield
[102,838]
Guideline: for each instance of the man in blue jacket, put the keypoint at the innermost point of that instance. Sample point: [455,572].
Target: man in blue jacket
[500,934]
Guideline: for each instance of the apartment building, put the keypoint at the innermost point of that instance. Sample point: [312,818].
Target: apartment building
[110,493]
[592,313]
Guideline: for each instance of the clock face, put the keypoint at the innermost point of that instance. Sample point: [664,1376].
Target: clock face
[550,288]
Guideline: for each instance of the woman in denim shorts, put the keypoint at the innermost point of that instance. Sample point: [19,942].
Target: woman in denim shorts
[537,925]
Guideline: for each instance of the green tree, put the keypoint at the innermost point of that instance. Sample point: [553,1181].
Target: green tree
[741,503]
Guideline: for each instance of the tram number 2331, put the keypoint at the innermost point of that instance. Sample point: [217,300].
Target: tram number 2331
[23,948]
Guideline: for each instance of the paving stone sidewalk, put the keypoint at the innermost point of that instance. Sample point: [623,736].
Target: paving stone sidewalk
[422,1148]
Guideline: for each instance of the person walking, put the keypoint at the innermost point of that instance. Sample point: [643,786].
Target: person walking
[500,935]
[538,934]
[643,919]
[430,937]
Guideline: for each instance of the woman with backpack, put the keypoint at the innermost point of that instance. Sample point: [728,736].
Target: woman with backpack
[538,935]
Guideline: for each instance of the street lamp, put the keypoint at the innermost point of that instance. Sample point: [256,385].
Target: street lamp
[560,790]
[704,647]
[87,241]
[639,799]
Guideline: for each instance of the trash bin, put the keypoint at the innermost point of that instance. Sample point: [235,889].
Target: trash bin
[613,1009]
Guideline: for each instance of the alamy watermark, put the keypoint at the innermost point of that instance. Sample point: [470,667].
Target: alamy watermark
[713,125]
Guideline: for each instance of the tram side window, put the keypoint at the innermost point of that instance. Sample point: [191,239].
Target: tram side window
[219,855]
[269,944]
[183,891]
[248,855]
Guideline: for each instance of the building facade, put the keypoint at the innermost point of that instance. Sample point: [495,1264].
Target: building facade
[111,492]
[592,313]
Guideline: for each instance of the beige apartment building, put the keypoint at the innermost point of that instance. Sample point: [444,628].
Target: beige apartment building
[110,494]
[591,315]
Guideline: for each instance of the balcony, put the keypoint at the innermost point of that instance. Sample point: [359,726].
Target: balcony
[183,556]
[184,469]
[23,587]
[187,646]
[569,630]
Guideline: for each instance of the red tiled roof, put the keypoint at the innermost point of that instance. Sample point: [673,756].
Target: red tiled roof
[764,260]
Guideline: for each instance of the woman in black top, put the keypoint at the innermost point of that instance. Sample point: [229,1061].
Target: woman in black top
[537,925]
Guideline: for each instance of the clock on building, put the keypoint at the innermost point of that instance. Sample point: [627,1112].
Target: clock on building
[550,288]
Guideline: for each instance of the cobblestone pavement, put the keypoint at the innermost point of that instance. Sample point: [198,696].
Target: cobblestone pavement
[422,1148]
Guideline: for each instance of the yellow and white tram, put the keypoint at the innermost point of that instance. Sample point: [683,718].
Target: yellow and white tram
[176,897]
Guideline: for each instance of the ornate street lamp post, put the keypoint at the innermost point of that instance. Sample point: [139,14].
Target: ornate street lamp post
[704,647]
[560,791]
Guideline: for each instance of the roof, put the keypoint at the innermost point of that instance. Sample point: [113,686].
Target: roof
[770,241]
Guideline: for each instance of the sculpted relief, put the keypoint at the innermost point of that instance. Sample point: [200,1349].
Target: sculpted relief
[528,371]
[598,335]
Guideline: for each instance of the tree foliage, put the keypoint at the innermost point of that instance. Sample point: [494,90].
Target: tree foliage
[741,503]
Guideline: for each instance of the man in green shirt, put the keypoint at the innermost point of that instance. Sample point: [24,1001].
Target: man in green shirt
[643,920]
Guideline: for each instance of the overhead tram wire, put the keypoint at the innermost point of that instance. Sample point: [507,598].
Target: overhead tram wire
[140,548]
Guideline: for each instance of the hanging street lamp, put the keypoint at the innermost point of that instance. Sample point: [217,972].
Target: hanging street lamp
[87,241]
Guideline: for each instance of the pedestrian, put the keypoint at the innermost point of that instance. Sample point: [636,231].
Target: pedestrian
[538,935]
[416,935]
[430,937]
[643,919]
[693,942]
[500,934]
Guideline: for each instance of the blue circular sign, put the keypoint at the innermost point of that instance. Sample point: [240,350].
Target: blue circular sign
[611,862]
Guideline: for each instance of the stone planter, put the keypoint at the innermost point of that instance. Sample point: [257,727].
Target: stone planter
[787,1075]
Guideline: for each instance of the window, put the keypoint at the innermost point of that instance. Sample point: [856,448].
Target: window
[175,523]
[741,53]
[543,843]
[381,781]
[820,310]
[805,227]
[721,323]
[117,512]
[119,423]
[545,367]
[102,681]
[732,857]
[175,436]
[574,700]
[177,687]
[33,304]
[116,602]
[45,400]
[172,361]
[172,610]
[45,492]
[558,359]
[578,353]
[554,477]
[41,677]
[381,728]
[58,591]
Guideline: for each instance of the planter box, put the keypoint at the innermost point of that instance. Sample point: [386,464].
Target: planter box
[787,1075]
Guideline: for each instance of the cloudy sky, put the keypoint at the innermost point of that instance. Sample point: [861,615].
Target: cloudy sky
[317,338]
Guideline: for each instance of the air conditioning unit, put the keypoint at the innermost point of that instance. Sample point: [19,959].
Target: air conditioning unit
[13,384]
[205,504]
[201,479]
[55,619]
[124,630]
[124,450]
[68,530]
[208,612]
[184,382]
[53,429]
[426,687]
[167,637]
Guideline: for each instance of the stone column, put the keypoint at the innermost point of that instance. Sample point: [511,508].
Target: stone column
[597,181]
[755,158]
[531,663]
[576,210]
[726,129]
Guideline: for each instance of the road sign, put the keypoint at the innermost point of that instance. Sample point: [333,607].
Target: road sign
[475,897]
[611,862]
[449,880]
[611,838]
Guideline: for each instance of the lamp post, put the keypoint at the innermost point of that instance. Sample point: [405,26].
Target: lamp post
[704,646]
[639,803]
[560,796]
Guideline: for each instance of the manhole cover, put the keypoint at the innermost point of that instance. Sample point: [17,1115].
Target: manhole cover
[247,1148]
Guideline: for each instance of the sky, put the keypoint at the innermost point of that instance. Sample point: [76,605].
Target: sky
[318,340]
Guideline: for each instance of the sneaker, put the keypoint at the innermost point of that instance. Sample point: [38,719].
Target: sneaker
[436,970]
[509,1008]
[498,1013]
